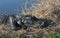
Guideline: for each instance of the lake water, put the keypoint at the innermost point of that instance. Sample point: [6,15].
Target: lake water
[12,6]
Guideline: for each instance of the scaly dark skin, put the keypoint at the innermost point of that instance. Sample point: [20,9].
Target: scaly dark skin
[26,21]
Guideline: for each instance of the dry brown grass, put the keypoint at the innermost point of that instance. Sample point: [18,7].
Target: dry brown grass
[32,32]
[7,32]
[49,9]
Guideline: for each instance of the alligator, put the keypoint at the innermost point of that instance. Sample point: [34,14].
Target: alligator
[24,21]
